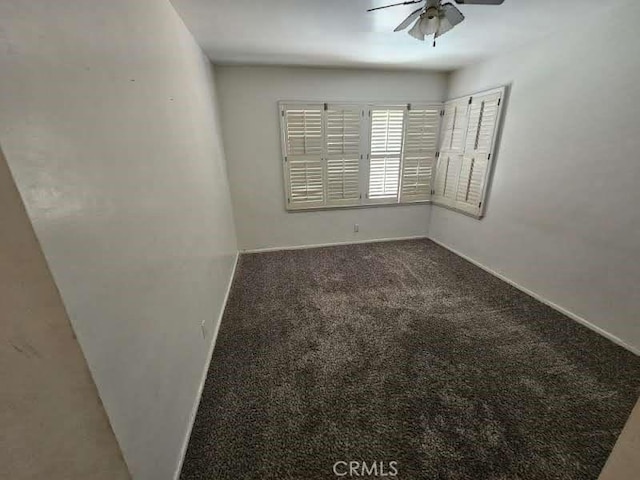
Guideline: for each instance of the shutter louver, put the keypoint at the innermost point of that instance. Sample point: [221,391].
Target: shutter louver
[451,178]
[447,175]
[440,176]
[446,129]
[303,137]
[471,183]
[343,134]
[454,124]
[304,132]
[305,177]
[386,148]
[459,128]
[420,146]
[483,116]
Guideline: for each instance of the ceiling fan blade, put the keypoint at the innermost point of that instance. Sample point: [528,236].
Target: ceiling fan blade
[395,5]
[405,23]
[450,16]
[479,2]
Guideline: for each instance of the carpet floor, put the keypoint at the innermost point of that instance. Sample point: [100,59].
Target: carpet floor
[402,352]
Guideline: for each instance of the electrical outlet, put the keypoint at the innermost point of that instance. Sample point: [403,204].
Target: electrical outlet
[203,327]
[356,228]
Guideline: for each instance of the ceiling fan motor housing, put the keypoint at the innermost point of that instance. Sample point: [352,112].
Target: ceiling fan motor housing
[432,12]
[434,18]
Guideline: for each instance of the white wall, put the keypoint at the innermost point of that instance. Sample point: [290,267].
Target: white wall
[108,125]
[251,130]
[49,404]
[563,217]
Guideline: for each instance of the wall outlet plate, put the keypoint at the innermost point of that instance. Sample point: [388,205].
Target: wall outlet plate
[356,228]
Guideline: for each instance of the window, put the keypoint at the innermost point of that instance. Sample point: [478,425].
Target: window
[387,126]
[351,155]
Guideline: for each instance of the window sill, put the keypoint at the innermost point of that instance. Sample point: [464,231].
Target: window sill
[458,210]
[352,207]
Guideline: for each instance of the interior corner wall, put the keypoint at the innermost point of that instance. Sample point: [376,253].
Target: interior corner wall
[251,129]
[108,127]
[562,216]
[49,404]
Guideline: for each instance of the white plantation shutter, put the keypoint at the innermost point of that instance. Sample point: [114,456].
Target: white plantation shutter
[304,130]
[471,182]
[306,183]
[343,133]
[454,125]
[451,178]
[482,126]
[483,119]
[386,136]
[446,178]
[440,177]
[452,144]
[465,158]
[303,147]
[419,152]
[333,153]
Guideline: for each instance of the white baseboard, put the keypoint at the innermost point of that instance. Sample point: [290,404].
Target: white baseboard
[540,298]
[196,404]
[319,245]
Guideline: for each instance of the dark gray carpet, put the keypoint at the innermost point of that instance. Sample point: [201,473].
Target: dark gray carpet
[402,352]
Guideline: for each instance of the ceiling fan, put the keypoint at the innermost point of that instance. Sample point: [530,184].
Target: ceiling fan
[434,18]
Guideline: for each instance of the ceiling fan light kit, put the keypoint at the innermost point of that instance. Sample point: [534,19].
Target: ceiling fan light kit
[430,21]
[434,17]
[416,33]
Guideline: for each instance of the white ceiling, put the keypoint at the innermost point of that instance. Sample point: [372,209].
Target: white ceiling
[342,33]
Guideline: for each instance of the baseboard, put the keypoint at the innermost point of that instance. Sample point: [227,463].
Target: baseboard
[196,404]
[320,245]
[540,298]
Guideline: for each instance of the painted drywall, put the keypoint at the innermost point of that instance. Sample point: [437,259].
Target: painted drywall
[251,131]
[109,128]
[52,422]
[562,217]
